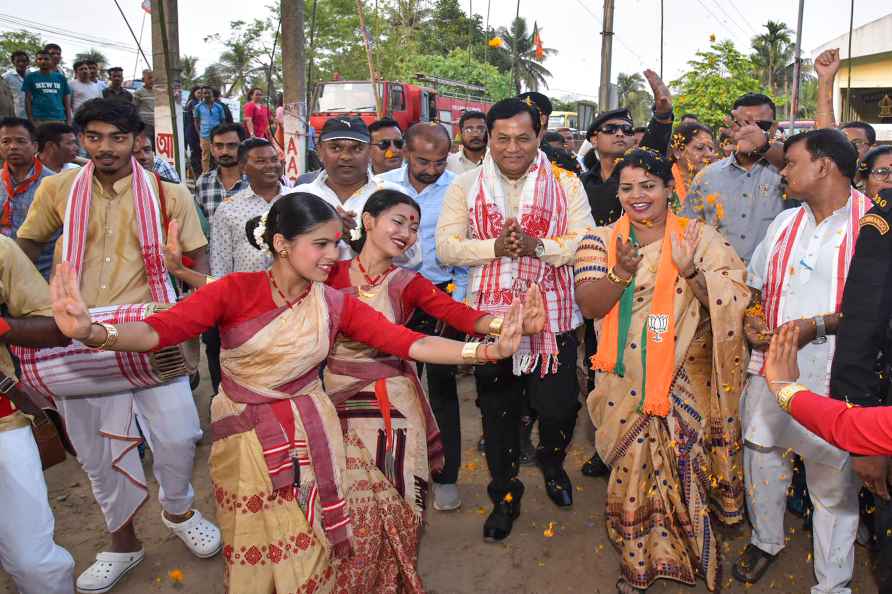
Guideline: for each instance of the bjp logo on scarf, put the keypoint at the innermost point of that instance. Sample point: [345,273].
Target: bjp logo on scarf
[658,324]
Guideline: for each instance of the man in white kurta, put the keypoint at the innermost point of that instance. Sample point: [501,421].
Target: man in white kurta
[809,289]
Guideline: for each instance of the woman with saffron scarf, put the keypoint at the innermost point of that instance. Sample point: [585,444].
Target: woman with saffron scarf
[692,149]
[668,296]
[283,471]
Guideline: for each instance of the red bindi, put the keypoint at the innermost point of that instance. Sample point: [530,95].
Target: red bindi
[337,235]
[412,218]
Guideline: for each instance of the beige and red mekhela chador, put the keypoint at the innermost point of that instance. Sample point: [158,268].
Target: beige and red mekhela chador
[282,470]
[380,400]
[666,405]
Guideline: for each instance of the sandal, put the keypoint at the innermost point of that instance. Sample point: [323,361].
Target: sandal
[199,535]
[752,564]
[624,587]
[107,571]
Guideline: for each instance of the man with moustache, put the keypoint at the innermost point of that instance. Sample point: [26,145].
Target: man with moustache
[386,147]
[346,181]
[113,272]
[57,147]
[472,125]
[424,177]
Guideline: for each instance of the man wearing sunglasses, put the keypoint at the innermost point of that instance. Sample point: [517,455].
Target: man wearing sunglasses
[386,145]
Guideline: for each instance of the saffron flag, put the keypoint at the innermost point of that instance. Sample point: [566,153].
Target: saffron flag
[537,41]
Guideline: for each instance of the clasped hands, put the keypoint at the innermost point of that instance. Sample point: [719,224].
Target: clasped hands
[513,242]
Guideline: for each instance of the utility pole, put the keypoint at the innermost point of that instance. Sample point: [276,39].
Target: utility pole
[169,141]
[661,37]
[797,68]
[295,91]
[606,56]
[367,38]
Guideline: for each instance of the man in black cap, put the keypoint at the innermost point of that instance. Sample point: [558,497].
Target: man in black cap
[345,182]
[559,156]
[611,135]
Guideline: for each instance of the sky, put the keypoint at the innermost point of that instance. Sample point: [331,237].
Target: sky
[572,27]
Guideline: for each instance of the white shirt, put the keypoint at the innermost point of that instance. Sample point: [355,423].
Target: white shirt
[15,81]
[458,163]
[355,204]
[83,92]
[807,293]
[230,249]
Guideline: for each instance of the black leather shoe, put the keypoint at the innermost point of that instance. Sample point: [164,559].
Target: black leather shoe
[500,521]
[559,487]
[595,467]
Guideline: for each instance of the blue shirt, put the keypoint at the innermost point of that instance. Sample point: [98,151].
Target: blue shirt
[47,93]
[209,117]
[20,205]
[431,201]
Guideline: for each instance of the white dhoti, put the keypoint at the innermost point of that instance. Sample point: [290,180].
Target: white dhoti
[771,438]
[103,431]
[27,550]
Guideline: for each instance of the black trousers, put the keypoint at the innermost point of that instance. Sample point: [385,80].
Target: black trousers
[882,530]
[443,395]
[555,400]
[211,340]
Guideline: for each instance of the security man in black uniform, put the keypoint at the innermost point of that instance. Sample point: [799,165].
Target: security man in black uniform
[860,370]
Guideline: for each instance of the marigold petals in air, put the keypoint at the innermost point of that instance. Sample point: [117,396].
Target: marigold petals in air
[495,42]
[549,532]
[176,576]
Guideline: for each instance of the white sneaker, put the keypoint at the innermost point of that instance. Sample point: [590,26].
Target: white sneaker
[107,571]
[446,497]
[199,535]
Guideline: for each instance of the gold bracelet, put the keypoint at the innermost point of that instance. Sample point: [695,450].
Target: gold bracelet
[111,336]
[469,352]
[209,279]
[785,395]
[612,277]
[495,326]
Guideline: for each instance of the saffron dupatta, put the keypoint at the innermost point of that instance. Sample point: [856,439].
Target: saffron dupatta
[658,344]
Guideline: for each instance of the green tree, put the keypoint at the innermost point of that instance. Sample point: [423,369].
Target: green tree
[713,81]
[246,53]
[188,71]
[213,77]
[457,66]
[773,50]
[93,55]
[526,69]
[26,41]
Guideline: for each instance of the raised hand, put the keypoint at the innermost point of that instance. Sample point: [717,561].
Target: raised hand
[683,248]
[348,219]
[748,135]
[69,310]
[534,312]
[509,340]
[627,257]
[173,251]
[827,64]
[781,366]
[662,96]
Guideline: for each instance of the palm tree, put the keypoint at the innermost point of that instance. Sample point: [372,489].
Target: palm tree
[628,85]
[188,71]
[237,64]
[92,55]
[773,51]
[525,66]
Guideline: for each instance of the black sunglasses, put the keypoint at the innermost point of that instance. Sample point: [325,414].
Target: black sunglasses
[385,144]
[626,129]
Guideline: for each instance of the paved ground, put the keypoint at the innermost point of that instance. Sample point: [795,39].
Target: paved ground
[454,558]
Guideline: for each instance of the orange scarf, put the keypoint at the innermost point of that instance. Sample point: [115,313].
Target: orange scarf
[658,350]
[680,189]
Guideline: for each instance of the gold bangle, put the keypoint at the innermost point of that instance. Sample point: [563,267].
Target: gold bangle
[495,326]
[111,336]
[786,394]
[469,352]
[614,278]
[209,279]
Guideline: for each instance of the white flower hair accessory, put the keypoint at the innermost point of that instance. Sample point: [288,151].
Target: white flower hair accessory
[355,233]
[259,232]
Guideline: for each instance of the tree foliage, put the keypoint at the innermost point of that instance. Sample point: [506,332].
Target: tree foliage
[772,52]
[26,41]
[457,66]
[715,78]
[93,55]
[526,69]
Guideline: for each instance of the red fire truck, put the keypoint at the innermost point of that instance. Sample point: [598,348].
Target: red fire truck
[444,101]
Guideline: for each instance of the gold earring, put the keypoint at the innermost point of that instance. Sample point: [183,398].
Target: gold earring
[283,253]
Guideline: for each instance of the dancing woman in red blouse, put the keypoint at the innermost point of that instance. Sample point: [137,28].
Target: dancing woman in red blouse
[862,431]
[281,466]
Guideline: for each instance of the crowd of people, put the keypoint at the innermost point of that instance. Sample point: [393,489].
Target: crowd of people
[718,302]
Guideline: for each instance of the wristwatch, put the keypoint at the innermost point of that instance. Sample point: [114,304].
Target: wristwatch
[820,330]
[540,249]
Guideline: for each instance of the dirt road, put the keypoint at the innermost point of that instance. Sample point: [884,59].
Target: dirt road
[454,559]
